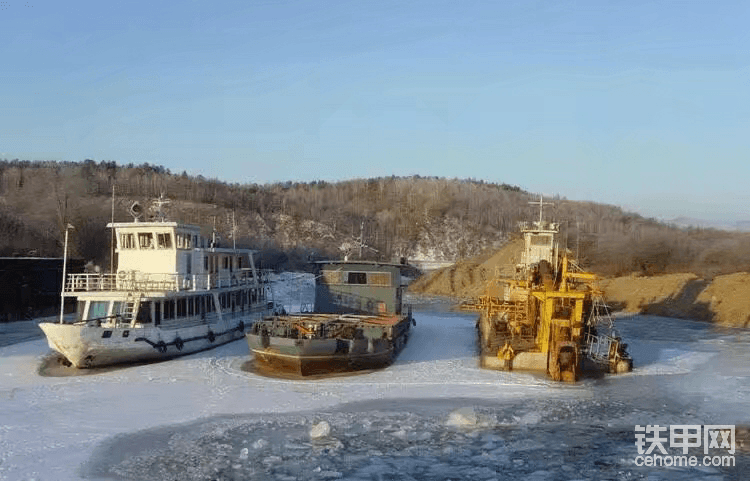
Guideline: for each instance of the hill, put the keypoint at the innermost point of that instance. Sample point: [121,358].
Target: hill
[415,217]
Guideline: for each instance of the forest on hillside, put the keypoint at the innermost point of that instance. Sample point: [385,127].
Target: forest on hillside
[422,217]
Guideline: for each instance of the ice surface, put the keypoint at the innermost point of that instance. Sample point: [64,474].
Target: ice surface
[202,417]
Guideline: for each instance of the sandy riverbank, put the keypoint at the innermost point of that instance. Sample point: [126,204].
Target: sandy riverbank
[723,299]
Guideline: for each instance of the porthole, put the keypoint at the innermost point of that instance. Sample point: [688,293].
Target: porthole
[125,333]
[106,334]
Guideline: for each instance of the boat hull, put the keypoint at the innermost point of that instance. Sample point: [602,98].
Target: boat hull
[307,357]
[86,346]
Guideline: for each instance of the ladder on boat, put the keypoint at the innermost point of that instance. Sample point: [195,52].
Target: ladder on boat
[132,303]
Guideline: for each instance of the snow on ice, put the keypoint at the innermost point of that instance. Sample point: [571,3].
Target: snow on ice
[432,415]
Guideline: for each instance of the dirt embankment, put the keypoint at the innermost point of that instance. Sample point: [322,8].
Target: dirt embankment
[724,300]
[467,278]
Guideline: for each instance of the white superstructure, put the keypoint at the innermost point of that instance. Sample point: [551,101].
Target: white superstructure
[172,293]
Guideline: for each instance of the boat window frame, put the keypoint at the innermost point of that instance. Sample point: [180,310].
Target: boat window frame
[144,315]
[168,309]
[357,276]
[146,236]
[127,241]
[535,238]
[164,240]
[104,313]
[81,307]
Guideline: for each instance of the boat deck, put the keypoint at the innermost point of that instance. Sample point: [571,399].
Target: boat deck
[316,318]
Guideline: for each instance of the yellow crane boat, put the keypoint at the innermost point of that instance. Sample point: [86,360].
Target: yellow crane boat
[550,316]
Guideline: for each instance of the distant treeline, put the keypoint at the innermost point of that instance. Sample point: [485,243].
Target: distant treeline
[292,222]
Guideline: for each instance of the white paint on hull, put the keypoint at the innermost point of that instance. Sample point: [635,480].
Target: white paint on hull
[84,345]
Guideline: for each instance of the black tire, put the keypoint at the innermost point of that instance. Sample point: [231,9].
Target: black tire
[211,336]
[241,326]
[179,344]
[161,347]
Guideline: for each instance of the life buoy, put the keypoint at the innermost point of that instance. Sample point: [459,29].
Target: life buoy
[161,347]
[179,344]
[211,336]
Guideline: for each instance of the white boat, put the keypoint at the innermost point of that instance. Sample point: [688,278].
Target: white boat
[172,294]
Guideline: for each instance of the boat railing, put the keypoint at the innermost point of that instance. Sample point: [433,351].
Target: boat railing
[146,282]
[599,347]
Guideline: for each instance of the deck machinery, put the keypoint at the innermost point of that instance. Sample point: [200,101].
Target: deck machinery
[550,316]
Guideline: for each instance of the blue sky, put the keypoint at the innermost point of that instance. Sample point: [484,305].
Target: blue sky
[645,105]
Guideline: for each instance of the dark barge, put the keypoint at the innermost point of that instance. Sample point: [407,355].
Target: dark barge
[359,322]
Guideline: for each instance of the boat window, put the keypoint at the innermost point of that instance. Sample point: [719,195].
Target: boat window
[106,334]
[541,240]
[226,262]
[80,307]
[169,309]
[165,240]
[127,241]
[379,278]
[117,307]
[190,305]
[144,313]
[357,278]
[332,277]
[146,240]
[205,263]
[181,304]
[184,241]
[98,309]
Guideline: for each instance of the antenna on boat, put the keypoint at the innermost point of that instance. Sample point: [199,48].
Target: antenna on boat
[541,205]
[213,234]
[578,241]
[361,240]
[361,237]
[112,237]
[234,236]
[157,208]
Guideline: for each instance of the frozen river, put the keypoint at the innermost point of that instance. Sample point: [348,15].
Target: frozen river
[432,415]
